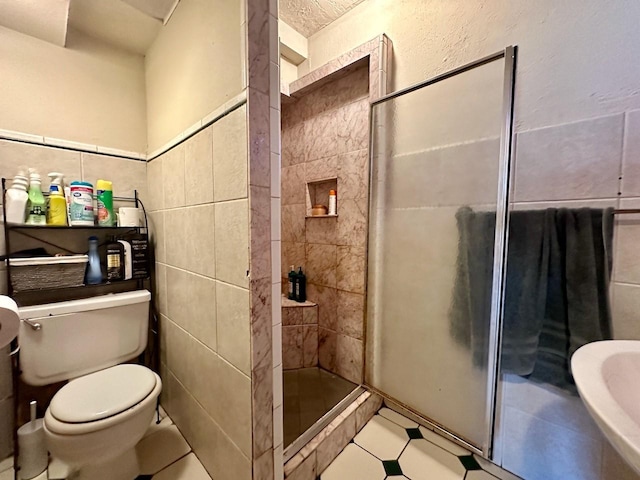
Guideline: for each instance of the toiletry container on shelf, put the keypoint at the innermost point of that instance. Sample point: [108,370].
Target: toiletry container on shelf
[94,421]
[17,199]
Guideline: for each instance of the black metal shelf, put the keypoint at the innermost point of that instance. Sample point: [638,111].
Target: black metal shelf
[20,226]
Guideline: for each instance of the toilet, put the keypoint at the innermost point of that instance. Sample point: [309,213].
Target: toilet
[94,422]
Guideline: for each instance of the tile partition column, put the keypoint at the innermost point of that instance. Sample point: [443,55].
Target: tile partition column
[263,100]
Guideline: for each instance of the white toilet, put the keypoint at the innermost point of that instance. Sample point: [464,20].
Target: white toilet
[93,422]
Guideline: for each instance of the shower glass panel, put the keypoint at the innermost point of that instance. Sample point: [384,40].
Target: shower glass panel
[436,160]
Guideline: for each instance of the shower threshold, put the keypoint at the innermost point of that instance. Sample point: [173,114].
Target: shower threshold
[313,397]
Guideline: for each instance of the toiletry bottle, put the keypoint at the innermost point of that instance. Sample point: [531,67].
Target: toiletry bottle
[292,283]
[332,202]
[115,261]
[301,286]
[104,190]
[81,204]
[57,207]
[17,199]
[94,271]
[128,259]
[37,205]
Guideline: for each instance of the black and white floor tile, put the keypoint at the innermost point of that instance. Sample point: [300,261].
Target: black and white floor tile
[393,447]
[163,454]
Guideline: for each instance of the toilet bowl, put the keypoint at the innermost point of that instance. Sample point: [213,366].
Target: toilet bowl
[94,422]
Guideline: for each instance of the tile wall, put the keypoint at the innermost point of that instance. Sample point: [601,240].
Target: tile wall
[127,175]
[299,335]
[544,432]
[198,198]
[325,136]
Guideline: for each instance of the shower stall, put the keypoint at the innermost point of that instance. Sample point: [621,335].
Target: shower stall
[439,150]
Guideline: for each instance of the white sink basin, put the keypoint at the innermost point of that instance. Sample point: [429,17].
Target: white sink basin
[608,378]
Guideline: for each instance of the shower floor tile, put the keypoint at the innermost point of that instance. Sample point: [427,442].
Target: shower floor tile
[393,447]
[309,393]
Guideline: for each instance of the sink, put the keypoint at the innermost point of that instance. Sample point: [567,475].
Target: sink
[607,375]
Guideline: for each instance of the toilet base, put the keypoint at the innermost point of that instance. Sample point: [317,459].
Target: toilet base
[123,467]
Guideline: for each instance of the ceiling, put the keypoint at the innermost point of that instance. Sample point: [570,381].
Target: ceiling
[310,16]
[128,24]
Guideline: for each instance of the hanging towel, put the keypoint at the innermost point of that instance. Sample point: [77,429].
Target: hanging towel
[558,266]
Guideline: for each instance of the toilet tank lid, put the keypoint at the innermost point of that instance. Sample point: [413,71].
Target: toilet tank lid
[102,394]
[86,304]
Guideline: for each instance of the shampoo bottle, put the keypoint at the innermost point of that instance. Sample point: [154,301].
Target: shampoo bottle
[57,208]
[17,199]
[292,283]
[301,286]
[37,205]
[115,261]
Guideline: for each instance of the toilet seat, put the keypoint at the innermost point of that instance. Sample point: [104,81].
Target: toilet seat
[102,394]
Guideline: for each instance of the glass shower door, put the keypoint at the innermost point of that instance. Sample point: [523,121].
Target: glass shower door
[438,201]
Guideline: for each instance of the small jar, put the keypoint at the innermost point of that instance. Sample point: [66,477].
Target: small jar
[318,210]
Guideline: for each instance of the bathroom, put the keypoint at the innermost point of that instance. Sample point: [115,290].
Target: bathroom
[231,134]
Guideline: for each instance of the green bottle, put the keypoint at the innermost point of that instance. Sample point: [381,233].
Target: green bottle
[37,206]
[293,276]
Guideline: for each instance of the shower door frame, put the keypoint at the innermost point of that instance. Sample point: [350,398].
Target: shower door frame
[509,54]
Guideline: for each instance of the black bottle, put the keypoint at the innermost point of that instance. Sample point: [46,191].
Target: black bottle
[115,261]
[301,286]
[293,276]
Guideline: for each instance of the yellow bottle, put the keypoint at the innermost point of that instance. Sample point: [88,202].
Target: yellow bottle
[57,207]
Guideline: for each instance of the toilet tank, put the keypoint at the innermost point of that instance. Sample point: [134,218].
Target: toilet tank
[81,336]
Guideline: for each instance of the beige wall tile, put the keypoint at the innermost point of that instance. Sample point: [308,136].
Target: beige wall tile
[293,223]
[173,177]
[353,133]
[309,346]
[320,133]
[306,470]
[155,190]
[126,175]
[198,165]
[227,399]
[321,264]
[292,254]
[292,347]
[352,222]
[293,141]
[293,184]
[157,236]
[232,242]
[631,155]
[367,410]
[191,301]
[626,312]
[219,455]
[230,156]
[350,314]
[353,174]
[198,247]
[175,238]
[161,288]
[327,345]
[179,354]
[571,161]
[322,169]
[321,230]
[351,263]
[291,316]
[43,159]
[626,259]
[234,343]
[326,298]
[310,316]
[349,358]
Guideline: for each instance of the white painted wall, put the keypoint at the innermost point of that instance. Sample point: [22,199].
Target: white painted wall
[575,56]
[194,66]
[87,92]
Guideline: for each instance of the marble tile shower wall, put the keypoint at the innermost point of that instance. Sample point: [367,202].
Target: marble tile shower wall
[592,163]
[325,136]
[198,196]
[128,175]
